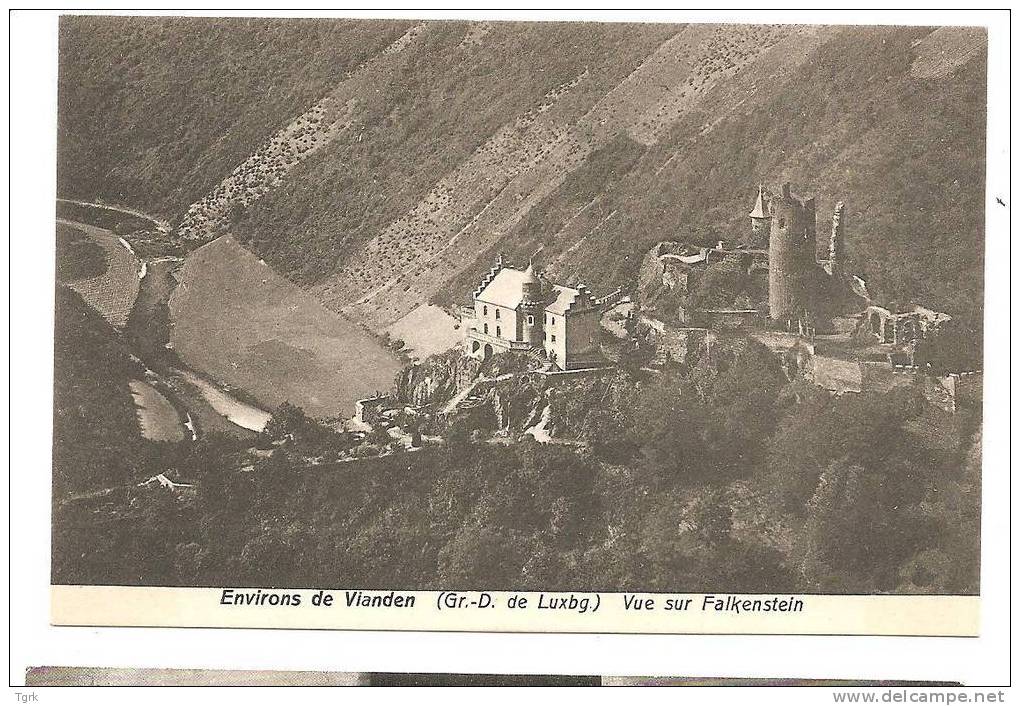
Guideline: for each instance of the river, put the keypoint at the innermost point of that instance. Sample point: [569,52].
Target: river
[243,415]
[147,332]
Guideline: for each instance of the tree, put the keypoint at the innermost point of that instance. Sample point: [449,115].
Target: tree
[954,348]
[667,422]
[743,401]
[867,428]
[290,423]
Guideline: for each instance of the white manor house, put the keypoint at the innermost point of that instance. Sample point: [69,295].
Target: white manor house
[519,310]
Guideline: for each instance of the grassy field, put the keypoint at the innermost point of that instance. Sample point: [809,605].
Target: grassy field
[235,319]
[156,416]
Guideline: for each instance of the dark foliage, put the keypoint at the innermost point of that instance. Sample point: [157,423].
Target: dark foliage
[95,430]
[154,111]
[721,476]
[955,348]
[78,256]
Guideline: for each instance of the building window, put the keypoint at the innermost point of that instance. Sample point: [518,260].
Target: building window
[485,311]
[498,332]
[554,338]
[485,328]
[531,319]
[547,319]
[497,314]
[554,321]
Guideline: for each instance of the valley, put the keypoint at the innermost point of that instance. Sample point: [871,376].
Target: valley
[368,195]
[306,210]
[170,400]
[213,362]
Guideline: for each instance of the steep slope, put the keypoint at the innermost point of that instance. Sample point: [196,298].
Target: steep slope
[155,111]
[846,119]
[444,128]
[96,436]
[301,138]
[238,321]
[525,161]
[392,172]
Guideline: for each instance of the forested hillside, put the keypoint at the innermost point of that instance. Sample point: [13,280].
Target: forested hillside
[715,478]
[154,111]
[420,149]
[95,430]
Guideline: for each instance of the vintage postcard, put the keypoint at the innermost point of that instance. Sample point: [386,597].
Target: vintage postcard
[519,326]
[95,676]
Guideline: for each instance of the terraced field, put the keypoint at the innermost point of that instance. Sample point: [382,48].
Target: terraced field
[270,164]
[946,49]
[388,174]
[480,202]
[113,291]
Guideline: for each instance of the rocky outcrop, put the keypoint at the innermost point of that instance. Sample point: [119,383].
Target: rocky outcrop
[663,279]
[436,379]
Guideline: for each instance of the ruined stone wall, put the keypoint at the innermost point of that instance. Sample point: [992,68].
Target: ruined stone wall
[679,345]
[952,392]
[836,241]
[883,377]
[835,374]
[369,410]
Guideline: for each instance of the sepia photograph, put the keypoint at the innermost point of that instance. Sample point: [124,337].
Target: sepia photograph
[436,305]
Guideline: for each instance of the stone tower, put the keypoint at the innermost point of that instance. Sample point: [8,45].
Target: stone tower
[835,261]
[532,307]
[761,220]
[791,255]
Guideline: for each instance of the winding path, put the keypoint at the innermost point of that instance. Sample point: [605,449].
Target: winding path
[161,224]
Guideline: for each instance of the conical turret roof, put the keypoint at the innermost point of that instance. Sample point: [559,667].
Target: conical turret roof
[531,276]
[759,210]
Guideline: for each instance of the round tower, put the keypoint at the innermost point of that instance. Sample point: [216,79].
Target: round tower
[532,307]
[791,254]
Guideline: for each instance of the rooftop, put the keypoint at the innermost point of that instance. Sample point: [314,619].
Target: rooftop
[565,296]
[759,205]
[507,289]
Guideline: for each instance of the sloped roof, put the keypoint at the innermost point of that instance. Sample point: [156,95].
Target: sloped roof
[565,296]
[505,289]
[530,276]
[759,205]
